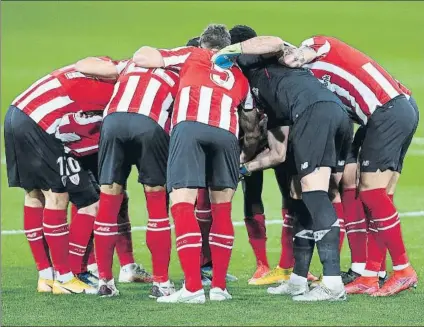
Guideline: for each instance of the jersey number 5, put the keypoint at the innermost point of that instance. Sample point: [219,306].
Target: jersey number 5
[222,77]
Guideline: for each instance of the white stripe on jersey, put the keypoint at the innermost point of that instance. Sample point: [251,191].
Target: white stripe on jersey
[175,60]
[30,89]
[128,94]
[50,85]
[115,90]
[204,107]
[183,105]
[52,128]
[368,96]
[88,148]
[226,106]
[164,76]
[164,114]
[59,102]
[345,94]
[149,97]
[381,80]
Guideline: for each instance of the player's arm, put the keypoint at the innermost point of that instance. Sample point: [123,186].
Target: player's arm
[310,50]
[260,45]
[277,144]
[149,57]
[249,123]
[93,66]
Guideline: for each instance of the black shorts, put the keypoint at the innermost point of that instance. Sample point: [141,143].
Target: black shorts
[31,154]
[319,136]
[344,147]
[87,194]
[388,135]
[37,160]
[202,156]
[128,139]
[356,145]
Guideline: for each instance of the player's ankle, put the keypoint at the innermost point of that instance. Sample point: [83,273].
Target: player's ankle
[46,273]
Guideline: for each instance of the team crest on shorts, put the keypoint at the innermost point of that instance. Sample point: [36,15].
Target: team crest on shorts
[75,179]
[64,180]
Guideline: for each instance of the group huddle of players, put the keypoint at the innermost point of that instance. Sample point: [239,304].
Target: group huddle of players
[196,120]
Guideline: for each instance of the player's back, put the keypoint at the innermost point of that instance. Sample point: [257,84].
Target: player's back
[63,91]
[283,92]
[149,92]
[208,93]
[355,77]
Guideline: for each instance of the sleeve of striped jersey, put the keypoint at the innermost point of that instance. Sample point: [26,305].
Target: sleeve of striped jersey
[320,44]
[176,57]
[120,65]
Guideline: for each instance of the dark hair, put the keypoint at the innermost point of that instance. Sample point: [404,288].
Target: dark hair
[215,36]
[240,33]
[194,42]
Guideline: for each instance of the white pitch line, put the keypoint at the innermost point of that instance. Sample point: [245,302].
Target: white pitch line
[236,223]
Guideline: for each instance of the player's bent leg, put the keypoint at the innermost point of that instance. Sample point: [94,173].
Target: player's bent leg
[255,223]
[204,218]
[355,223]
[158,239]
[221,240]
[304,244]
[80,232]
[386,218]
[326,233]
[33,228]
[56,231]
[336,200]
[105,232]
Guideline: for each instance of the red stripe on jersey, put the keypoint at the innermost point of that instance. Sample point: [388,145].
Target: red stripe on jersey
[345,91]
[375,85]
[63,91]
[148,92]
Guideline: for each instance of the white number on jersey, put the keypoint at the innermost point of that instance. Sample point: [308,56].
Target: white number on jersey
[226,83]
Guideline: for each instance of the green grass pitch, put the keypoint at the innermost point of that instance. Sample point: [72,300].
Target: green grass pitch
[38,37]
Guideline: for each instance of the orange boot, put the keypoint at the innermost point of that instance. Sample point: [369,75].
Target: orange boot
[399,281]
[363,285]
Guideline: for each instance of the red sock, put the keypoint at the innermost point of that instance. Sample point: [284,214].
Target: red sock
[124,245]
[338,207]
[387,221]
[256,232]
[79,237]
[189,243]
[56,232]
[89,257]
[383,260]
[391,197]
[375,248]
[105,231]
[204,218]
[158,235]
[286,258]
[221,240]
[33,228]
[355,225]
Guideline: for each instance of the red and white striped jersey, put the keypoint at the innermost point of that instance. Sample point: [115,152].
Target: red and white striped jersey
[86,128]
[63,91]
[359,81]
[207,93]
[149,92]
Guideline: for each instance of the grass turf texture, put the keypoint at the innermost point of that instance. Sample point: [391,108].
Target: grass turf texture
[41,36]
